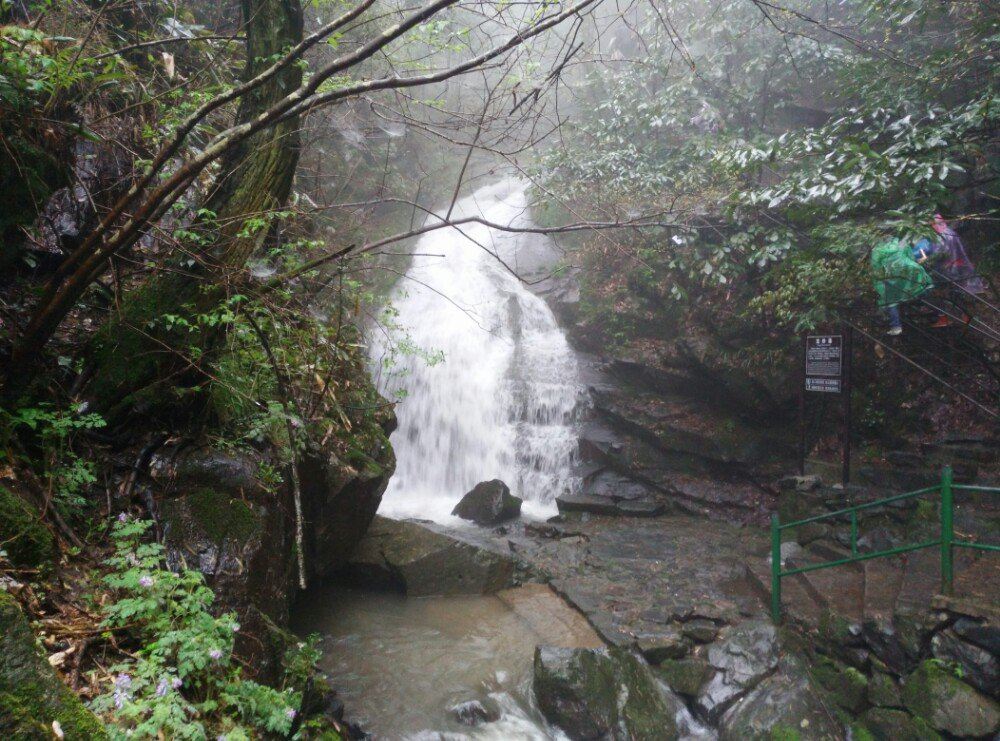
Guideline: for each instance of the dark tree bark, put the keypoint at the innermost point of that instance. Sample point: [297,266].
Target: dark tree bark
[135,355]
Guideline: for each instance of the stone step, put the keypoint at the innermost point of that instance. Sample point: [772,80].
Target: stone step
[883,578]
[977,575]
[839,589]
[921,580]
[796,602]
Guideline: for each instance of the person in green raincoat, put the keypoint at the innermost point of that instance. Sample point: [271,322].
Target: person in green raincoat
[898,278]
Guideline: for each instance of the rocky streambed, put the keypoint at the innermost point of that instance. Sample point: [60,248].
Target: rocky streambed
[648,628]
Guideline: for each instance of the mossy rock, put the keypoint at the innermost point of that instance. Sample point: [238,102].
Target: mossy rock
[212,514]
[31,695]
[883,691]
[602,693]
[845,685]
[948,704]
[27,541]
[685,676]
[886,724]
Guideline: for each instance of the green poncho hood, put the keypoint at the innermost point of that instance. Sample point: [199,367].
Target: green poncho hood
[897,276]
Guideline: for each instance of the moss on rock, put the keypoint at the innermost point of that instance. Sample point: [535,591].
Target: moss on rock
[220,516]
[847,687]
[685,676]
[32,697]
[885,724]
[27,541]
[948,704]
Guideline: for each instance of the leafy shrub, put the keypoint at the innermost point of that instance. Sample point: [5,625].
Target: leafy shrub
[182,681]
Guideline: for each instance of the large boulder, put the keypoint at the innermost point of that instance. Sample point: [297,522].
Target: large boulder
[980,667]
[489,503]
[887,724]
[410,558]
[220,513]
[601,693]
[741,659]
[950,706]
[32,697]
[785,702]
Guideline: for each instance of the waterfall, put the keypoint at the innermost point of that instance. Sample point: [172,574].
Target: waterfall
[504,398]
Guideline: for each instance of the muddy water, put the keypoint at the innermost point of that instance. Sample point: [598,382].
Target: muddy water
[401,664]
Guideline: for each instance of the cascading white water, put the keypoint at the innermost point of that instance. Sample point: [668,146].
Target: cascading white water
[504,400]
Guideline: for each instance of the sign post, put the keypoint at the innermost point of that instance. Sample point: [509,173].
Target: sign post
[827,370]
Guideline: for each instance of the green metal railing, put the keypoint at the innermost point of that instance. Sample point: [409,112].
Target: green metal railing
[946,541]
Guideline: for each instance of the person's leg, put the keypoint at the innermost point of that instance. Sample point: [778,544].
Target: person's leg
[895,318]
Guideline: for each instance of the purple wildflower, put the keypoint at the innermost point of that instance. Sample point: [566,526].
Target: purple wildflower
[163,687]
[176,682]
[123,517]
[236,627]
[122,694]
[290,714]
[145,581]
[215,654]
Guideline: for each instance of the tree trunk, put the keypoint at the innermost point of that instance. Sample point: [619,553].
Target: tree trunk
[135,355]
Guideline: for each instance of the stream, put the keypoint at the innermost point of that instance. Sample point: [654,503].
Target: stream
[490,388]
[401,664]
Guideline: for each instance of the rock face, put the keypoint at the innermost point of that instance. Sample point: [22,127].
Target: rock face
[489,503]
[949,705]
[474,713]
[218,513]
[410,558]
[32,697]
[603,693]
[980,667]
[785,701]
[740,660]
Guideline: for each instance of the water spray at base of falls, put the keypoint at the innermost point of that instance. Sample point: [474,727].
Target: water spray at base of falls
[505,398]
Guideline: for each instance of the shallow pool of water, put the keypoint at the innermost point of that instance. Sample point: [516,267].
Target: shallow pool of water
[401,664]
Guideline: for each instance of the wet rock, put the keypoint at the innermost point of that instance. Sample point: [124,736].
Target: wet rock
[474,713]
[980,668]
[408,557]
[684,676]
[784,704]
[741,660]
[980,633]
[489,503]
[877,539]
[603,693]
[657,647]
[789,549]
[609,484]
[641,509]
[883,691]
[244,549]
[886,724]
[897,642]
[31,694]
[177,469]
[799,483]
[845,685]
[582,503]
[700,630]
[341,496]
[948,704]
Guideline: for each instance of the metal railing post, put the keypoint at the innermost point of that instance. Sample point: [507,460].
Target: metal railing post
[947,531]
[854,532]
[775,569]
